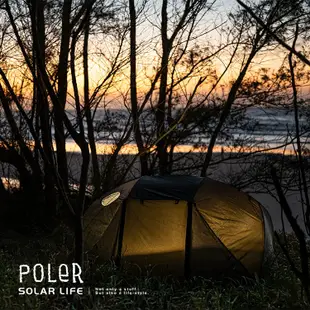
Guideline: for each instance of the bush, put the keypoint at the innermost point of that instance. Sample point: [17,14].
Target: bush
[279,289]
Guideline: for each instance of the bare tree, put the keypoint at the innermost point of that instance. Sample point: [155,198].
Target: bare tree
[259,40]
[133,88]
[297,28]
[188,16]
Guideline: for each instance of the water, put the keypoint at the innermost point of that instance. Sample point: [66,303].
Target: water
[268,128]
[258,130]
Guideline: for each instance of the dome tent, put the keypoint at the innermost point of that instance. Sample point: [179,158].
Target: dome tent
[180,225]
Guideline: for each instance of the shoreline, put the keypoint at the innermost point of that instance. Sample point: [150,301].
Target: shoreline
[226,171]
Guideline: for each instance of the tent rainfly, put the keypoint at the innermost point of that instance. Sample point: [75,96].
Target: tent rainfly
[180,225]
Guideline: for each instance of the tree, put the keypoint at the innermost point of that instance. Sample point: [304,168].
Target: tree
[298,12]
[133,88]
[259,40]
[188,16]
[50,87]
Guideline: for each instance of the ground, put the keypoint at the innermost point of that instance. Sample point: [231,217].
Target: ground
[278,289]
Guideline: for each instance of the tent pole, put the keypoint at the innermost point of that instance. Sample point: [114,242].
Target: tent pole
[121,234]
[188,241]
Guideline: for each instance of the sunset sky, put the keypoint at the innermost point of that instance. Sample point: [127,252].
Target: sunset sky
[104,47]
[102,50]
[148,36]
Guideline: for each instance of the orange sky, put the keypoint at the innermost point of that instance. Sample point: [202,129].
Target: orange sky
[99,65]
[98,70]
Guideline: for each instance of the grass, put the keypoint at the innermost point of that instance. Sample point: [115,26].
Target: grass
[278,290]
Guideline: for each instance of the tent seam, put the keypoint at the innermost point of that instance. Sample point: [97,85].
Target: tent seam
[219,241]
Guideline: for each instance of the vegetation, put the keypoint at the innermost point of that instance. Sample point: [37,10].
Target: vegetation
[191,81]
[280,288]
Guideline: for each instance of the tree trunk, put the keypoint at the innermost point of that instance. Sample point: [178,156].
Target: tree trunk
[26,152]
[133,90]
[226,110]
[161,106]
[89,120]
[11,156]
[304,186]
[302,274]
[79,241]
[43,107]
[62,95]
[79,235]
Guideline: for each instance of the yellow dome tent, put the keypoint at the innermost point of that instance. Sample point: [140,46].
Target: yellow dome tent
[180,225]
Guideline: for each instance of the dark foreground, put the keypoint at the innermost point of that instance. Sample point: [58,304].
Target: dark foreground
[278,290]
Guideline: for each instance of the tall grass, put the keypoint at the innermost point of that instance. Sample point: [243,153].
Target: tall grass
[279,289]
